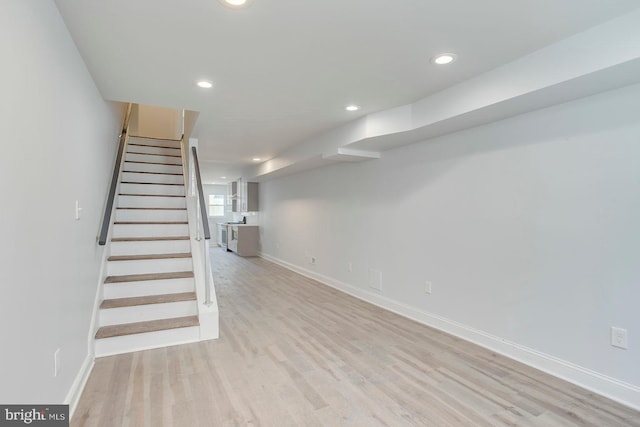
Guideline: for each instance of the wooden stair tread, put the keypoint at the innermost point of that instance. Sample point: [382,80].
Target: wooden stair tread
[149,256]
[157,209]
[146,257]
[151,195]
[156,173]
[149,183]
[149,276]
[154,146]
[153,163]
[154,138]
[148,326]
[150,223]
[156,154]
[148,239]
[147,300]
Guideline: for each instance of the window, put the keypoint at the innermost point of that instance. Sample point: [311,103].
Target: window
[216,205]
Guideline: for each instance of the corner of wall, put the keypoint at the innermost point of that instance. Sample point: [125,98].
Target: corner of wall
[75,392]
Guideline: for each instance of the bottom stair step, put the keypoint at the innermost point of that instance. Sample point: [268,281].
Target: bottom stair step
[149,326]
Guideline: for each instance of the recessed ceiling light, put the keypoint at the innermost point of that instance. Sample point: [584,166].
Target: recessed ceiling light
[444,58]
[205,84]
[223,177]
[256,159]
[352,108]
[235,3]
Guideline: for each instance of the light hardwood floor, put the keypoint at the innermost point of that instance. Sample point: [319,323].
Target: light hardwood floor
[293,352]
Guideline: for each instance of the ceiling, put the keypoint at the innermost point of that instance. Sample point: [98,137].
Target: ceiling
[284,70]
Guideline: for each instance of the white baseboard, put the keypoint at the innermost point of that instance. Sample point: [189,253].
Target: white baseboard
[73,397]
[619,391]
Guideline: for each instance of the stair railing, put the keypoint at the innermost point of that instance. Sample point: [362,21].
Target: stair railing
[106,219]
[202,225]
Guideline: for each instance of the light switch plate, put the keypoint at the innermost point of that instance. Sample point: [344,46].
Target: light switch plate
[56,362]
[78,210]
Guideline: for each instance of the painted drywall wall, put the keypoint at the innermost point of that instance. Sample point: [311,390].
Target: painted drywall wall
[527,229]
[156,122]
[59,139]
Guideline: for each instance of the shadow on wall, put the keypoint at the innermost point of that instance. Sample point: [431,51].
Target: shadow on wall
[156,122]
[432,159]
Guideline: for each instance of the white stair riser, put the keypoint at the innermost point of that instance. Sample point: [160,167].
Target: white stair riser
[159,189]
[123,268]
[145,167]
[148,158]
[154,142]
[147,287]
[149,340]
[151,177]
[150,230]
[135,148]
[148,248]
[151,202]
[142,313]
[150,215]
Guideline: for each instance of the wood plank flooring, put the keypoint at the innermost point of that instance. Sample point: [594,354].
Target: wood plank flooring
[293,352]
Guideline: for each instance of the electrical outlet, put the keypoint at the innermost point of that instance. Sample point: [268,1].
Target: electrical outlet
[56,362]
[619,338]
[427,287]
[313,260]
[350,267]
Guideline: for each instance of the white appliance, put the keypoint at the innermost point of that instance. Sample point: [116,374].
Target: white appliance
[232,237]
[222,235]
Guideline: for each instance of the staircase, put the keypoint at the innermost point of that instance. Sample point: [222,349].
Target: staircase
[149,297]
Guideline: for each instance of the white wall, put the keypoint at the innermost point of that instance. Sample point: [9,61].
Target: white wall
[528,229]
[156,122]
[59,139]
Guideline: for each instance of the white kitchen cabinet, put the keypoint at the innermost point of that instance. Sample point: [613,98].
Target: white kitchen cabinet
[243,239]
[244,196]
[251,197]
[232,197]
